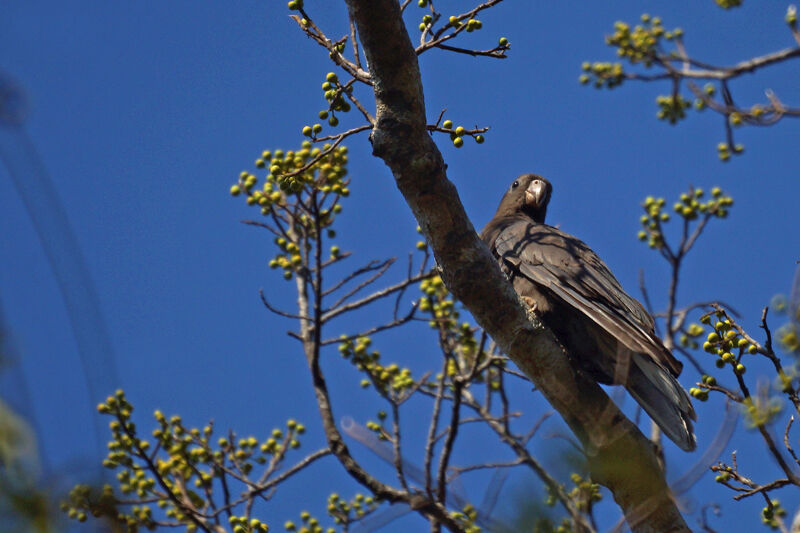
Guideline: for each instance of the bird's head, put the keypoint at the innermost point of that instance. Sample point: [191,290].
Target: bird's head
[528,194]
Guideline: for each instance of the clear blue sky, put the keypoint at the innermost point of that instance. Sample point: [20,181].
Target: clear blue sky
[145,113]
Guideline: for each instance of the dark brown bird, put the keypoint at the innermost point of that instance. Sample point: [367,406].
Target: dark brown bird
[608,334]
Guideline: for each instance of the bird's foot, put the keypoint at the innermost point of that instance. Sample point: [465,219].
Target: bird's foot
[530,302]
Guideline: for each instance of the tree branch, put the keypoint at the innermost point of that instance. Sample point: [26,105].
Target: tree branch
[614,446]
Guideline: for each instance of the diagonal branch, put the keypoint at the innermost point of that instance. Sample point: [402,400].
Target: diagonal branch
[614,446]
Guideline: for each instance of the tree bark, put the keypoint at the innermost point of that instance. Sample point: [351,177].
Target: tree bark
[619,456]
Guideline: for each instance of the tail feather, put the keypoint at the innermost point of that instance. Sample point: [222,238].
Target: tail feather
[664,399]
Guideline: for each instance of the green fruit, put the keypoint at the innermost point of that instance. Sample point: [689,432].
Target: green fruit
[458,142]
[447,124]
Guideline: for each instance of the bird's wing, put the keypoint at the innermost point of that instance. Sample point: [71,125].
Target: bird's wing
[572,271]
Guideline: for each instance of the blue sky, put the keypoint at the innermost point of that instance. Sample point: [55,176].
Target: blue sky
[145,113]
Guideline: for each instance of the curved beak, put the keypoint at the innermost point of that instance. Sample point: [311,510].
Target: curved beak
[536,193]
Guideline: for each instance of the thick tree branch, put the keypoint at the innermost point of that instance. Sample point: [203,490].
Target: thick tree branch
[620,457]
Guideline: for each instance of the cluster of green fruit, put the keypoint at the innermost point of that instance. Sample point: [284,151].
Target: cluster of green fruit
[724,150]
[241,524]
[585,493]
[306,176]
[687,338]
[551,500]
[467,519]
[604,74]
[789,333]
[702,394]
[762,409]
[771,513]
[724,340]
[791,16]
[457,134]
[652,221]
[386,379]
[345,512]
[293,172]
[185,456]
[641,43]
[309,524]
[438,302]
[689,207]
[788,337]
[334,93]
[672,108]
[378,427]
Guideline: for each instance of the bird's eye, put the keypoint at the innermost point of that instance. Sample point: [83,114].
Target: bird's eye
[537,182]
[515,184]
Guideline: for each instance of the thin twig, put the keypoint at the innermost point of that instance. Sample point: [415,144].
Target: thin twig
[431,440]
[369,267]
[447,449]
[279,311]
[313,31]
[379,270]
[388,291]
